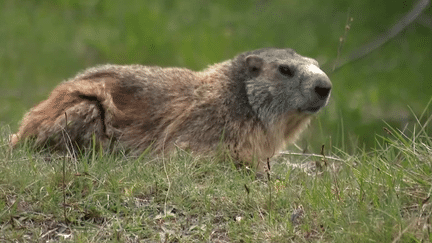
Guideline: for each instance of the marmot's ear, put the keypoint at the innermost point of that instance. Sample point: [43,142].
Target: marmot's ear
[254,64]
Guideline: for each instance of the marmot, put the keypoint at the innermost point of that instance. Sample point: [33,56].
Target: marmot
[252,105]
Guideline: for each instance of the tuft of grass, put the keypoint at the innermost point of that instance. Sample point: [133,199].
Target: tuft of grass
[381,196]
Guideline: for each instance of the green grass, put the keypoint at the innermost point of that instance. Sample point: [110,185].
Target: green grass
[377,196]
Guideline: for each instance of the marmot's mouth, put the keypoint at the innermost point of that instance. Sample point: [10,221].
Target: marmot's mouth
[314,107]
[310,110]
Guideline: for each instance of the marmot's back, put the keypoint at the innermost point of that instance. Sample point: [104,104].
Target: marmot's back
[252,105]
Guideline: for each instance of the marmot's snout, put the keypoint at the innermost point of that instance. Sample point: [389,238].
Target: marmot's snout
[320,87]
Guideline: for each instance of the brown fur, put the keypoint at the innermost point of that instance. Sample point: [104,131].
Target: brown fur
[250,104]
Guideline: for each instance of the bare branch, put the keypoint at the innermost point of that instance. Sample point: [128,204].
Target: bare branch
[312,155]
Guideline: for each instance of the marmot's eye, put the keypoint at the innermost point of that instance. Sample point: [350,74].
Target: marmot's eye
[287,71]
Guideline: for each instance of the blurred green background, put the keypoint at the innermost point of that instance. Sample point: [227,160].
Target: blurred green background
[45,42]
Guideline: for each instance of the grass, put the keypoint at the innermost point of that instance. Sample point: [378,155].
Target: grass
[377,196]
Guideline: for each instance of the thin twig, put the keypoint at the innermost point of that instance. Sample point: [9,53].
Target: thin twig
[270,189]
[323,155]
[169,187]
[312,155]
[166,174]
[68,141]
[342,39]
[64,173]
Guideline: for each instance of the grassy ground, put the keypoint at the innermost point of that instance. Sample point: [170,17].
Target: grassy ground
[378,196]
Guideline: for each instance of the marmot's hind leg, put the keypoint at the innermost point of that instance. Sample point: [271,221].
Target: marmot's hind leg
[71,126]
[84,120]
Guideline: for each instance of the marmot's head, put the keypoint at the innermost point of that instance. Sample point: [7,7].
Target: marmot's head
[280,81]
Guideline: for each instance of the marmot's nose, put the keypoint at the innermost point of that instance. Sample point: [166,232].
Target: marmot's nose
[319,84]
[322,87]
